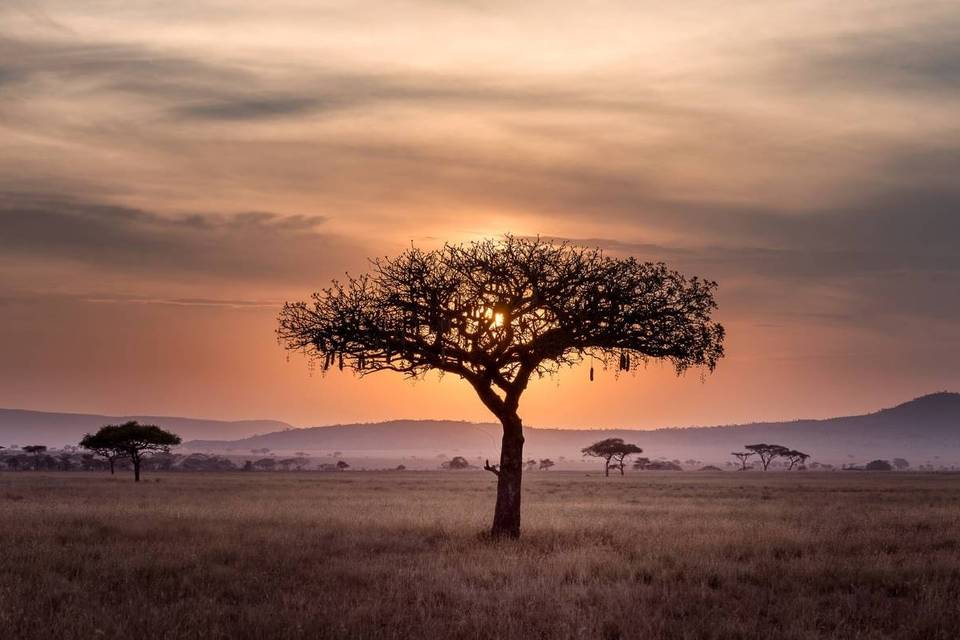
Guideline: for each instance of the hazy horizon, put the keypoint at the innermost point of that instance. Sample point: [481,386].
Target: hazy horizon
[489,420]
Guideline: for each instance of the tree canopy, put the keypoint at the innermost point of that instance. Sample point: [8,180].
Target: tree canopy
[498,312]
[129,440]
[611,449]
[767,452]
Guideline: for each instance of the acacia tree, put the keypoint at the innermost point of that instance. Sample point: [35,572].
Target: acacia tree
[37,451]
[767,452]
[132,440]
[742,457]
[795,457]
[498,312]
[627,449]
[456,463]
[611,449]
[102,443]
[546,463]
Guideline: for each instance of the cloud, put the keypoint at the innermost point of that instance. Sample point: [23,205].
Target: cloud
[919,55]
[193,87]
[263,247]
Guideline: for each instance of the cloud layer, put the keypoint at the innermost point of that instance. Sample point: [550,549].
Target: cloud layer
[804,154]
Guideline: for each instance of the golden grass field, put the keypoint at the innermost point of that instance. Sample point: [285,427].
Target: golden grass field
[401,555]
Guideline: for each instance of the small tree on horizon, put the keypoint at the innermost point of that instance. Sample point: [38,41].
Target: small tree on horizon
[456,463]
[342,466]
[36,451]
[546,463]
[496,313]
[767,452]
[131,440]
[742,457]
[102,443]
[795,458]
[900,464]
[611,449]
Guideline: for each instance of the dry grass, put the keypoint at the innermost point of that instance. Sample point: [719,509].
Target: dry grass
[398,555]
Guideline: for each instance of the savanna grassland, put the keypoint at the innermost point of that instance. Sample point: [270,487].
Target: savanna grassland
[401,555]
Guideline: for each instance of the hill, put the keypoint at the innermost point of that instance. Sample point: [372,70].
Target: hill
[21,426]
[923,430]
[927,428]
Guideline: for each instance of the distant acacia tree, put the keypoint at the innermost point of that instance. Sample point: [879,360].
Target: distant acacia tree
[900,464]
[103,444]
[879,465]
[131,440]
[531,464]
[613,450]
[37,451]
[795,458]
[641,464]
[546,463]
[767,452]
[742,457]
[496,313]
[456,463]
[342,466]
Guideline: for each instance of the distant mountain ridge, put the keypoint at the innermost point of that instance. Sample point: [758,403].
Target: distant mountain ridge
[926,429]
[24,426]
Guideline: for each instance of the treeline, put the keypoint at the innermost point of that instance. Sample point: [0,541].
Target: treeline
[139,447]
[40,458]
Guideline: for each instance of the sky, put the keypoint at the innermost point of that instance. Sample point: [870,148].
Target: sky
[171,172]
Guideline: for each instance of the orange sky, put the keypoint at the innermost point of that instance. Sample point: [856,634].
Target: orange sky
[170,174]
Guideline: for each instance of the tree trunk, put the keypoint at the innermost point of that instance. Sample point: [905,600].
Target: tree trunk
[506,516]
[136,469]
[111,466]
[606,467]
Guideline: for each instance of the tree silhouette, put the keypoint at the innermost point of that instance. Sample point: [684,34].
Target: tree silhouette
[546,463]
[795,457]
[342,466]
[456,463]
[767,452]
[131,440]
[742,457]
[103,444]
[900,464]
[611,449]
[497,313]
[37,451]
